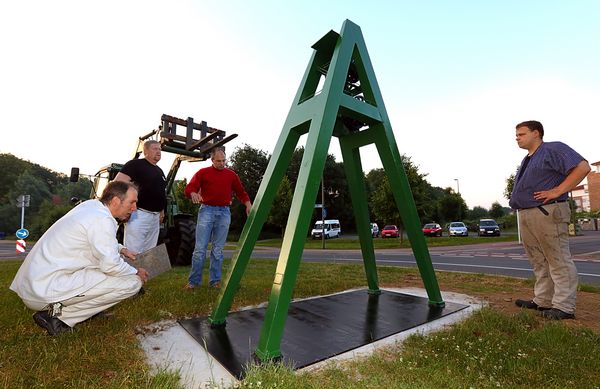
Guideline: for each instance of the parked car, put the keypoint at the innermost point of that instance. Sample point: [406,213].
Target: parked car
[389,231]
[457,229]
[432,229]
[332,229]
[488,227]
[374,230]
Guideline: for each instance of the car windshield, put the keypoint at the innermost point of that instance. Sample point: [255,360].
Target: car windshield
[487,223]
[429,226]
[457,224]
[389,227]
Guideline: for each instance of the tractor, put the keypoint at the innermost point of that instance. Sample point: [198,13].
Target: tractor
[178,229]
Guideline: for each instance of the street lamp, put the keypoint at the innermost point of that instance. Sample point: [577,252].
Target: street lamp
[457,187]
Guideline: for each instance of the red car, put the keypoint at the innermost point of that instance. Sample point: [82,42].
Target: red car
[432,229]
[389,231]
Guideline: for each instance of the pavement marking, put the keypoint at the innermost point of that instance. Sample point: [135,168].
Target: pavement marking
[589,274]
[459,264]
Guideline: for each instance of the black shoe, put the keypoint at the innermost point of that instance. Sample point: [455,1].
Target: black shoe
[140,293]
[529,304]
[557,314]
[53,325]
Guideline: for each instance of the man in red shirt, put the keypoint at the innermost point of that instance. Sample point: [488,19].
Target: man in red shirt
[212,187]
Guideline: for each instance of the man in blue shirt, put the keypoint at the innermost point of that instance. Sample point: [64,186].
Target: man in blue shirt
[540,191]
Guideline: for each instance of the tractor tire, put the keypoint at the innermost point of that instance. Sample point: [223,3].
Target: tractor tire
[180,242]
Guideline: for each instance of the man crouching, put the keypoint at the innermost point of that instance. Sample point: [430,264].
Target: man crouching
[75,270]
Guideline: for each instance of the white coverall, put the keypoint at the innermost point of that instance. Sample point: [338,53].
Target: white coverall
[77,263]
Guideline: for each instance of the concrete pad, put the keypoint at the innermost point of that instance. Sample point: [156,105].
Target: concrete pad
[169,347]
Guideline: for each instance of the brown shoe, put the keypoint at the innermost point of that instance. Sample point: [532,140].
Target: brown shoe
[216,285]
[189,286]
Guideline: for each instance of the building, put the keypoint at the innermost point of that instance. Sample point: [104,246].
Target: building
[593,188]
[581,197]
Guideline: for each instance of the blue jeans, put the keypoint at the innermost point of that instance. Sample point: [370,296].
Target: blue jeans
[213,224]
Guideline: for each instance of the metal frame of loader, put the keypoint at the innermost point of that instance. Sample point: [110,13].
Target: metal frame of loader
[178,229]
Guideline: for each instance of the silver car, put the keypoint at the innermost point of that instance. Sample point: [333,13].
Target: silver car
[457,229]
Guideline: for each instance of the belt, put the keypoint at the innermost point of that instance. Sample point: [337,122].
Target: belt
[555,202]
[145,210]
[541,206]
[548,203]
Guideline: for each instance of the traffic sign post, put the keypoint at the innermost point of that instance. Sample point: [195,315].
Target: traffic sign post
[22,233]
[21,245]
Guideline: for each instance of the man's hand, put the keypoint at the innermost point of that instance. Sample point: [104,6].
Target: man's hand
[162,216]
[547,195]
[128,253]
[196,198]
[248,205]
[143,274]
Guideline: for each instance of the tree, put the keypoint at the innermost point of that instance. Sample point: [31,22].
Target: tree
[23,177]
[477,213]
[451,206]
[184,204]
[510,183]
[281,208]
[423,193]
[336,191]
[250,165]
[48,213]
[80,190]
[496,211]
[26,183]
[384,205]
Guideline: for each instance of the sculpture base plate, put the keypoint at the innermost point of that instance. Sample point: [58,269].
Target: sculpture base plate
[316,328]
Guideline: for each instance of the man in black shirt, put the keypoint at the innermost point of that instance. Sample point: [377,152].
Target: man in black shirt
[141,231]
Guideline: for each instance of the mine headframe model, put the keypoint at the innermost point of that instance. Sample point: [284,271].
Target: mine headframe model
[178,229]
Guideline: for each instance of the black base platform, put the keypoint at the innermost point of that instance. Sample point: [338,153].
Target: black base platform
[316,329]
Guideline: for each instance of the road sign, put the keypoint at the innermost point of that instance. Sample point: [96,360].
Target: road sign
[20,246]
[324,212]
[23,201]
[22,233]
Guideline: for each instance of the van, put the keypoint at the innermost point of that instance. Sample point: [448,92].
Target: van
[332,229]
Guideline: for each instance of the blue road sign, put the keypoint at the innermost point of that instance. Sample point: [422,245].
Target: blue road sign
[324,212]
[22,233]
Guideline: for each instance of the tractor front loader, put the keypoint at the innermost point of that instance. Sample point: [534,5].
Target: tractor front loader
[193,145]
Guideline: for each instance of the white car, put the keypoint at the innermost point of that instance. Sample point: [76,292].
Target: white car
[374,230]
[457,229]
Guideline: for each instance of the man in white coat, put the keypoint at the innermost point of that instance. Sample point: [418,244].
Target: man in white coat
[76,269]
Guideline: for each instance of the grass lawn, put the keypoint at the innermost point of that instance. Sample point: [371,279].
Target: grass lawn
[390,243]
[493,348]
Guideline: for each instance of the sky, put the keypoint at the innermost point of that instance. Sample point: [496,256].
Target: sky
[81,80]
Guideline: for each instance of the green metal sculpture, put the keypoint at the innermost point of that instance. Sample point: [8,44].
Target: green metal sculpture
[350,107]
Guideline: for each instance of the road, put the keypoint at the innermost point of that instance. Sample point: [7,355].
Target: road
[503,258]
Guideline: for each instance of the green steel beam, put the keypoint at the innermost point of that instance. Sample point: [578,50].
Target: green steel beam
[358,195]
[394,169]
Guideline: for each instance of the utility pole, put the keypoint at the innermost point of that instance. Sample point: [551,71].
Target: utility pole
[458,192]
[323,212]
